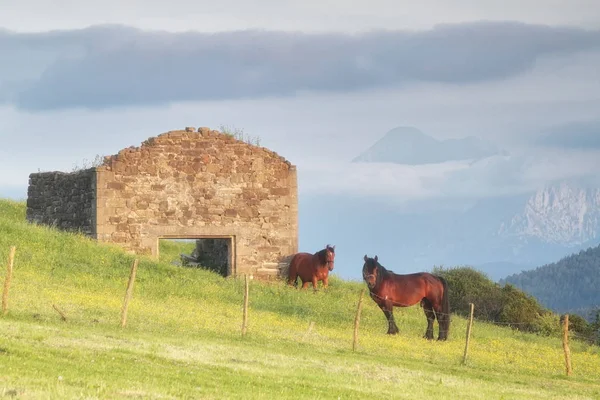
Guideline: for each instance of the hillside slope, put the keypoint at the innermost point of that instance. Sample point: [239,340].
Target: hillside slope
[182,338]
[569,285]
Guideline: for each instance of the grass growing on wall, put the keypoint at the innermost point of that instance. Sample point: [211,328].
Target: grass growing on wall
[183,340]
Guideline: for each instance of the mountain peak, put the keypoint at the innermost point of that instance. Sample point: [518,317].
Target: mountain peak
[565,213]
[409,145]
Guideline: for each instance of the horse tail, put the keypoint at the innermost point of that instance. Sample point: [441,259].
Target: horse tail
[445,307]
[293,272]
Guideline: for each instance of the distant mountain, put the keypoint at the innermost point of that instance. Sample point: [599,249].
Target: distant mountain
[565,213]
[499,236]
[407,145]
[569,285]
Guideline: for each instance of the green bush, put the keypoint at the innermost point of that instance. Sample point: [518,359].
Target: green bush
[548,324]
[505,305]
[468,285]
[583,329]
[519,310]
[579,325]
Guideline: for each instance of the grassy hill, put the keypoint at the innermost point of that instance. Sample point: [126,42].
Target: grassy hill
[183,336]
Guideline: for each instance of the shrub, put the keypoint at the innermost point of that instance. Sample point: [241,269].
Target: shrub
[468,285]
[548,324]
[519,309]
[507,305]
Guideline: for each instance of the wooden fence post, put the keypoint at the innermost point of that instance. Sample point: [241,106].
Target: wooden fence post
[7,279]
[245,316]
[566,345]
[129,292]
[62,314]
[357,320]
[468,339]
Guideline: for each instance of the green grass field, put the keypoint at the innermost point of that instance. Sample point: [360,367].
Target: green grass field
[183,336]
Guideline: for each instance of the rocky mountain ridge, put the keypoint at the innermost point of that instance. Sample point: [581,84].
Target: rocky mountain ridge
[564,213]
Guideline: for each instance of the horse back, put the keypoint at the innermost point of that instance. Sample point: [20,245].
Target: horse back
[409,289]
[300,258]
[304,265]
[301,261]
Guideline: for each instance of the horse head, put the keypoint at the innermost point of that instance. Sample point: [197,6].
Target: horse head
[329,256]
[371,271]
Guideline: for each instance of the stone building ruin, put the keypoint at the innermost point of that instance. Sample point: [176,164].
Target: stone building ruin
[180,184]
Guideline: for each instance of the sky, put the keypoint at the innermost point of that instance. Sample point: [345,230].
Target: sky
[317,82]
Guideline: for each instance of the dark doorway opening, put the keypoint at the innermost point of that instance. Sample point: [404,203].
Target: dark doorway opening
[211,253]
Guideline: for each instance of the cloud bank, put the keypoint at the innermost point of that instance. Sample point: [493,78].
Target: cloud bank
[114,66]
[500,175]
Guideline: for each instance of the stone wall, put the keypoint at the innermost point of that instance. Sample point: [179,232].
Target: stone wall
[181,184]
[64,200]
[201,184]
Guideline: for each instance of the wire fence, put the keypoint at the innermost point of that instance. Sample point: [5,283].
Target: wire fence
[593,337]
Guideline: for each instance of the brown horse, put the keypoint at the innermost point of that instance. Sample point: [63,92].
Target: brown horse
[311,267]
[388,289]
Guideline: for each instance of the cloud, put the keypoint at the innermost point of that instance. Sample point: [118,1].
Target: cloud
[329,15]
[500,175]
[398,182]
[115,66]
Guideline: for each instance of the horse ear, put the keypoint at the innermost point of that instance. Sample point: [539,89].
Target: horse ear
[366,258]
[375,258]
[333,247]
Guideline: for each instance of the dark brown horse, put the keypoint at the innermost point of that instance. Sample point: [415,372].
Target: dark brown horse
[311,267]
[388,289]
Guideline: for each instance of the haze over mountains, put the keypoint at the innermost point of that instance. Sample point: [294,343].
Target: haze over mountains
[498,233]
[408,145]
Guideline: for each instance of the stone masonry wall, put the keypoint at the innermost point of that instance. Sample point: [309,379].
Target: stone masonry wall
[64,200]
[201,184]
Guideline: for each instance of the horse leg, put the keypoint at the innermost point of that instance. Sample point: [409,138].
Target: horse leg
[315,282]
[293,282]
[325,282]
[443,335]
[305,284]
[388,311]
[428,309]
[442,325]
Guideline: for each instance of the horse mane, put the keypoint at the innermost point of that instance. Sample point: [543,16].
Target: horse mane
[322,254]
[381,271]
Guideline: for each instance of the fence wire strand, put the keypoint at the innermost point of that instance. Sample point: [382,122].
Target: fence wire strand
[592,338]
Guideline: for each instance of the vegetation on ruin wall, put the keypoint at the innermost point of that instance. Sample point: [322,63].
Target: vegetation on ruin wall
[239,134]
[182,338]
